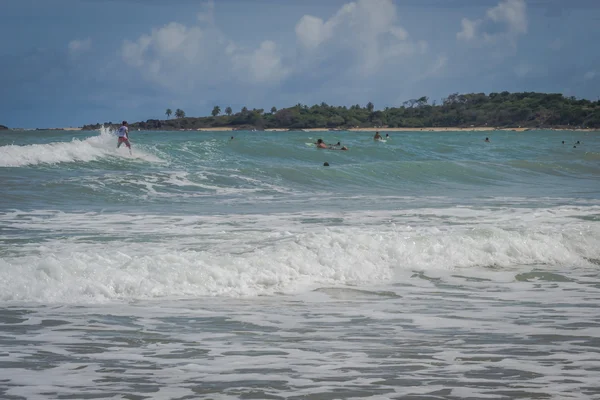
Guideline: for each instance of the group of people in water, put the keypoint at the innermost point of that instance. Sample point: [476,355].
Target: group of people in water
[322,145]
[338,146]
[379,138]
[123,138]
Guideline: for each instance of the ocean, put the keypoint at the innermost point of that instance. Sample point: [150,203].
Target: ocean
[429,266]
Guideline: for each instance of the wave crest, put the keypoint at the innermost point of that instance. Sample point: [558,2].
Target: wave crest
[77,150]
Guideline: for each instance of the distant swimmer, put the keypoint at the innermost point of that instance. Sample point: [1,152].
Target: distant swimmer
[563,142]
[123,134]
[387,135]
[487,139]
[377,136]
[338,148]
[231,138]
[321,144]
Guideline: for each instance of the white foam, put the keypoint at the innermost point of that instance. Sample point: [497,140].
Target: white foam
[77,150]
[116,256]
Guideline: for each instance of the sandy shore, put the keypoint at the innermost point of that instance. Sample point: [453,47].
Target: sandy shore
[218,129]
[437,129]
[70,129]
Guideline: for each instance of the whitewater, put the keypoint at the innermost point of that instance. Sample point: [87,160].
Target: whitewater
[429,266]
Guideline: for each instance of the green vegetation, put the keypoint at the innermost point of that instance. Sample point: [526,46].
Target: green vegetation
[179,113]
[168,113]
[502,110]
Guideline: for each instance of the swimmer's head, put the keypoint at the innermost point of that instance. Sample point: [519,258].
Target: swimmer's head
[319,141]
[124,122]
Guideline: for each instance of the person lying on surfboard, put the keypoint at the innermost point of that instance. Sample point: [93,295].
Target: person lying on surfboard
[322,145]
[123,134]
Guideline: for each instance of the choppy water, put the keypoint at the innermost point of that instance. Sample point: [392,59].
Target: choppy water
[431,266]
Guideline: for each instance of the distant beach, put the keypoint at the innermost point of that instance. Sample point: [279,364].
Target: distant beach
[436,129]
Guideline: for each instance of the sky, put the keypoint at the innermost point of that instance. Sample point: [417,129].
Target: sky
[74,62]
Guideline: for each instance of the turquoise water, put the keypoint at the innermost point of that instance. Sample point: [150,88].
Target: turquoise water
[432,265]
[207,173]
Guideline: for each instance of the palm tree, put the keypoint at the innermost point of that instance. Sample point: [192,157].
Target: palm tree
[179,113]
[244,110]
[273,109]
[216,111]
[370,107]
[168,112]
[228,111]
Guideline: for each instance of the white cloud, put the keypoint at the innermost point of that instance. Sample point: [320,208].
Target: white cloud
[511,15]
[365,28]
[263,65]
[511,12]
[207,16]
[468,29]
[311,31]
[589,75]
[77,46]
[179,57]
[438,66]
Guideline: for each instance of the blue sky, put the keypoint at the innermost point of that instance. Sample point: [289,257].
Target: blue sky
[71,62]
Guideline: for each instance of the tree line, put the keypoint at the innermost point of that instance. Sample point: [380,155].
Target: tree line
[502,110]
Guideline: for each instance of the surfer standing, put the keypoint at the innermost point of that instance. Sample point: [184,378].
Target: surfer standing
[123,134]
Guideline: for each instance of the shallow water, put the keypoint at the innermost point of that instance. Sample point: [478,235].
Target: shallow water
[433,265]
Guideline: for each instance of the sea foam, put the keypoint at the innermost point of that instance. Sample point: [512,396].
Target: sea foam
[77,150]
[232,256]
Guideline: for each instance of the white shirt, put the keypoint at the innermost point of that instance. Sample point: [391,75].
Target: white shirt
[123,130]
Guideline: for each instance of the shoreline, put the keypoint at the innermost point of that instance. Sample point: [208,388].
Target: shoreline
[429,129]
[435,129]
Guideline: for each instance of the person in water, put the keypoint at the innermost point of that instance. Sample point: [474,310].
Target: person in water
[337,147]
[123,134]
[321,144]
[377,136]
[387,135]
[487,139]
